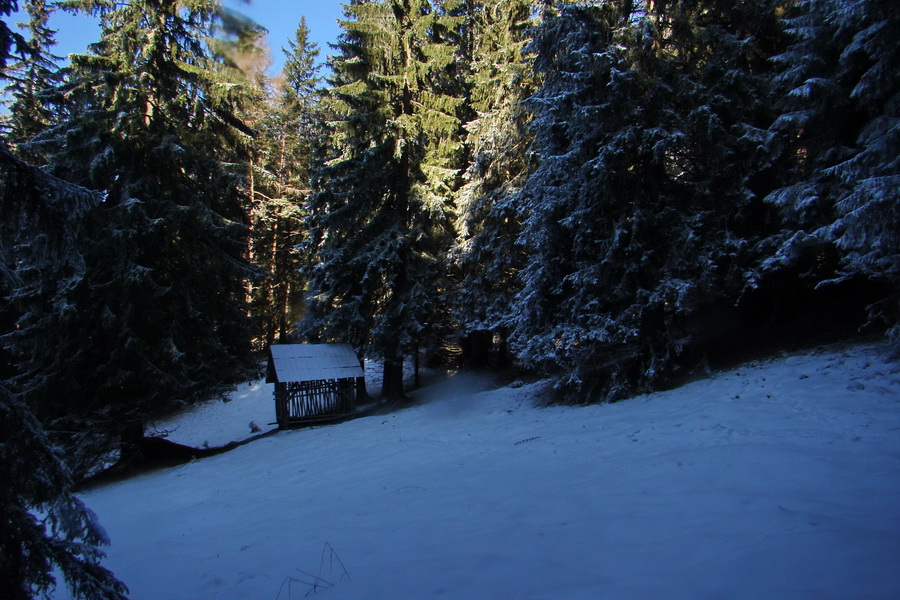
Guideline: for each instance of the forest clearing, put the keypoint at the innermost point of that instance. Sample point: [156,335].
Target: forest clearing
[611,197]
[775,479]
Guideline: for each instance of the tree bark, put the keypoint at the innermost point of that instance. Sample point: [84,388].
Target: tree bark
[392,383]
[131,442]
[479,345]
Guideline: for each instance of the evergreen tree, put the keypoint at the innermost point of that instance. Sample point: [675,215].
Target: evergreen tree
[12,43]
[43,526]
[291,131]
[840,120]
[301,71]
[30,81]
[650,131]
[381,216]
[159,318]
[486,254]
[66,537]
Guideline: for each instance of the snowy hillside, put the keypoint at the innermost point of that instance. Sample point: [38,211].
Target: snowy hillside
[779,479]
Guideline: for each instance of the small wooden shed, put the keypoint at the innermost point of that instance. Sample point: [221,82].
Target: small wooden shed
[313,382]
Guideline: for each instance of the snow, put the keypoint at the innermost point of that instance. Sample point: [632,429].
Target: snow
[779,479]
[217,423]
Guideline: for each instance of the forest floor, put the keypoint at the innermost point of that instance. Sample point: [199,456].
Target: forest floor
[777,479]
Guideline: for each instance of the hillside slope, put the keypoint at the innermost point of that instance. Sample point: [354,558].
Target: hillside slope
[779,479]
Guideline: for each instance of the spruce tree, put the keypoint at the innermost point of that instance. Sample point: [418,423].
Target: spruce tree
[43,525]
[159,318]
[650,132]
[65,536]
[381,216]
[12,43]
[841,127]
[31,80]
[487,256]
[290,139]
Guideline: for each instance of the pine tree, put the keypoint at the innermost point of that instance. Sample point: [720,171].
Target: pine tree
[159,318]
[650,131]
[381,217]
[842,129]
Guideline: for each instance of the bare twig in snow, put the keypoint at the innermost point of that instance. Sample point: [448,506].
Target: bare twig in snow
[316,582]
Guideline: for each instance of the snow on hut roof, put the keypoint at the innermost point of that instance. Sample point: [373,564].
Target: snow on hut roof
[312,362]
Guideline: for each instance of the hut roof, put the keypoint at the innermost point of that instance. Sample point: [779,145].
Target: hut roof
[312,362]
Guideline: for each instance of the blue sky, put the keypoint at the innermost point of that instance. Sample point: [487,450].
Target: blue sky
[280,17]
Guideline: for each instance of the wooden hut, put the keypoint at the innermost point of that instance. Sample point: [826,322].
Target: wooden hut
[314,382]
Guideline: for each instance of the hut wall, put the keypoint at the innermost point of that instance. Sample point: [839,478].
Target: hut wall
[281,403]
[311,400]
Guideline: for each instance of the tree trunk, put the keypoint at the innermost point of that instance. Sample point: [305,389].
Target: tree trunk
[362,393]
[392,383]
[131,442]
[479,345]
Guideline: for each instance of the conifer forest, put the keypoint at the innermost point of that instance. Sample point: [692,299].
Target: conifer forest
[614,194]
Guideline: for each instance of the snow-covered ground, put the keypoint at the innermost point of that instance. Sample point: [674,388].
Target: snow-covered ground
[777,480]
[216,423]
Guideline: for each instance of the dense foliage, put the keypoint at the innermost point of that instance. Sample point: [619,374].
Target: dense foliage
[839,85]
[30,80]
[43,526]
[651,134]
[623,189]
[486,256]
[289,126]
[666,205]
[157,315]
[381,217]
